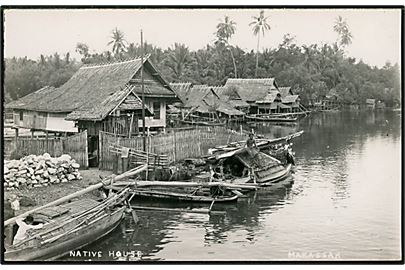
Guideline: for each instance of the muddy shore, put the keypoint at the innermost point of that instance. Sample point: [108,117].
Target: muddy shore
[35,197]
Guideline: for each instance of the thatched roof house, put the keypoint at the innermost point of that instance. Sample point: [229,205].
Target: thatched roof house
[251,90]
[285,91]
[181,90]
[231,96]
[96,91]
[204,99]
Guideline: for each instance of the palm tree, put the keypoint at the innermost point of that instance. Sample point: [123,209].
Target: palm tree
[225,30]
[259,25]
[178,59]
[341,27]
[118,42]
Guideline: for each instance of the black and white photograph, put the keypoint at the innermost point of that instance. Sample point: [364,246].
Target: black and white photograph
[207,134]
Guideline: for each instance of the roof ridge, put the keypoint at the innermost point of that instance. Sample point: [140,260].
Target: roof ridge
[111,63]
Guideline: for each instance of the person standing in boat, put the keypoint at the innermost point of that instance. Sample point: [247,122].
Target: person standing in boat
[251,145]
[23,227]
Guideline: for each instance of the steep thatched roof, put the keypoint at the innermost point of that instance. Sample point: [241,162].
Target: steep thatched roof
[251,90]
[204,99]
[181,90]
[285,91]
[124,99]
[270,97]
[290,98]
[93,85]
[231,96]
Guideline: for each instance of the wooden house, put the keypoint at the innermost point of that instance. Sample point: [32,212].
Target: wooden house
[370,103]
[252,90]
[79,99]
[230,95]
[203,103]
[255,92]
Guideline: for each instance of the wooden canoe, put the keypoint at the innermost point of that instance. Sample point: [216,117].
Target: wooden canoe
[269,180]
[183,197]
[272,119]
[202,123]
[68,227]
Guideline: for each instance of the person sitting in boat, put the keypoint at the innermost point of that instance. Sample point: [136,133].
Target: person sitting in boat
[24,226]
[289,156]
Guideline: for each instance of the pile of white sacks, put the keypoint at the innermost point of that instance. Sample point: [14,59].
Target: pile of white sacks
[38,171]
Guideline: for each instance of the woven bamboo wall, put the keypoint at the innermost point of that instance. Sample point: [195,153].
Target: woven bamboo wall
[75,146]
[177,145]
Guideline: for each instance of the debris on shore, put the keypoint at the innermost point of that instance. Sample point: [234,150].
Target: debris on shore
[37,171]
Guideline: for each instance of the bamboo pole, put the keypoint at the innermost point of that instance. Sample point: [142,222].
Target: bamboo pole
[185,184]
[79,193]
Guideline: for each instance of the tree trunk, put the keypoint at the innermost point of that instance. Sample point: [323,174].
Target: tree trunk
[234,63]
[257,54]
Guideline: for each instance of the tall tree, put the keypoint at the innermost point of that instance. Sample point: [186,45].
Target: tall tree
[118,42]
[225,30]
[178,59]
[83,50]
[260,25]
[342,29]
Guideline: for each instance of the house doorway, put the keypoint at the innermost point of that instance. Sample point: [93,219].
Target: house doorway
[93,151]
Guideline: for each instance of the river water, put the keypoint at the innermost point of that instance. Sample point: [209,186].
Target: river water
[342,202]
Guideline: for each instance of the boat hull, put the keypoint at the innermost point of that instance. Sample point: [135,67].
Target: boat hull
[156,195]
[201,123]
[72,241]
[274,119]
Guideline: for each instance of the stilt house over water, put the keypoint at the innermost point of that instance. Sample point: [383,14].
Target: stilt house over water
[103,97]
[265,96]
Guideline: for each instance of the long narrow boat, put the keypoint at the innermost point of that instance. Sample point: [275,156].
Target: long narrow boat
[183,197]
[69,227]
[271,118]
[202,123]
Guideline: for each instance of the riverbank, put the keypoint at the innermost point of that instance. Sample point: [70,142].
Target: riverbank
[35,197]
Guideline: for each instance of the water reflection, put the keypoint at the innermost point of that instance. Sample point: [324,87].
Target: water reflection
[329,203]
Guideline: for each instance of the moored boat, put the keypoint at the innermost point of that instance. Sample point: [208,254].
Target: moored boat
[248,166]
[203,123]
[269,118]
[69,227]
[183,197]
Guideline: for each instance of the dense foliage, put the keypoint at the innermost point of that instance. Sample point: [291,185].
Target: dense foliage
[312,71]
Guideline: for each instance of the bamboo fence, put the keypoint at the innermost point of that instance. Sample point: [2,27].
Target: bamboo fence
[176,145]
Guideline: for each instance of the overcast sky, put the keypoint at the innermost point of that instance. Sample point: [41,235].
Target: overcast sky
[376,32]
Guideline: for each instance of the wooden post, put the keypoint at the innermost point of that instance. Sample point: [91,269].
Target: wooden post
[16,136]
[143,97]
[130,125]
[47,142]
[174,143]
